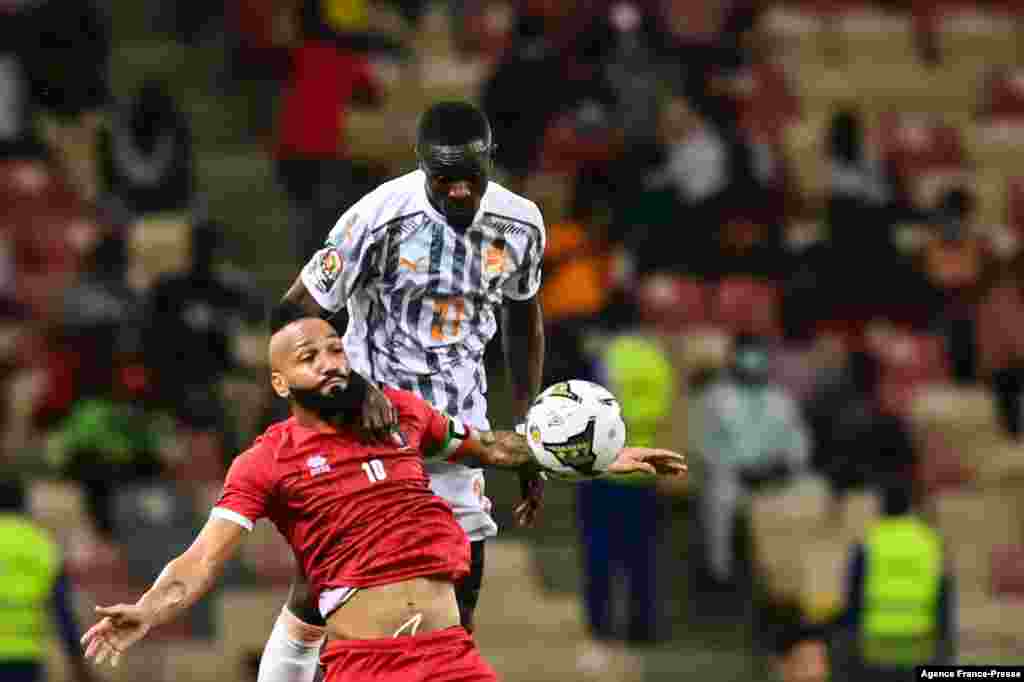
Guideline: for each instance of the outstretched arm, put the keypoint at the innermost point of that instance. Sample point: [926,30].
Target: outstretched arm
[180,585]
[507,450]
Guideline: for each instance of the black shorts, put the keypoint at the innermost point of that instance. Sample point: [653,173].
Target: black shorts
[467,592]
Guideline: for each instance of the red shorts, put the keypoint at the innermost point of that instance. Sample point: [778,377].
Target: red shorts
[448,655]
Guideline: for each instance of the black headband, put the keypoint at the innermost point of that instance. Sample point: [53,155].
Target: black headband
[473,156]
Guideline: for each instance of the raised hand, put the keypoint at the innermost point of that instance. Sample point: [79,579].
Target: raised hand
[122,626]
[380,417]
[649,461]
[531,485]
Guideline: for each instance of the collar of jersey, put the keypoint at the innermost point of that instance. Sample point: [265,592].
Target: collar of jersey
[303,434]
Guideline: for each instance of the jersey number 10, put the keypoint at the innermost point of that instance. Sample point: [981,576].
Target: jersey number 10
[374,470]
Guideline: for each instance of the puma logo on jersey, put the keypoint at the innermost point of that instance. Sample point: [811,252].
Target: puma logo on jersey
[418,265]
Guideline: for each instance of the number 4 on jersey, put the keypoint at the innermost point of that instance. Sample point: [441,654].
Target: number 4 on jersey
[374,470]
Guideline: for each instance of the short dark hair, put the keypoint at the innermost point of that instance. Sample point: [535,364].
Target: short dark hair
[284,313]
[13,497]
[897,498]
[452,123]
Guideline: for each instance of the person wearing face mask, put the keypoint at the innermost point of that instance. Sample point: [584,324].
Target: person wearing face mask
[747,430]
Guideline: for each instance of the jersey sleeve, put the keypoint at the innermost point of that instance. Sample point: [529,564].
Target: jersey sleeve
[247,489]
[443,436]
[331,275]
[525,283]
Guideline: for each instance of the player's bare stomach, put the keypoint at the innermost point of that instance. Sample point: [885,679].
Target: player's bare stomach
[415,606]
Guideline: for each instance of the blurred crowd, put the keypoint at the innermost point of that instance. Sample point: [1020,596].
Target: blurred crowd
[796,326]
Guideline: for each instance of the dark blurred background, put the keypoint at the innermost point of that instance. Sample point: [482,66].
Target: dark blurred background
[803,219]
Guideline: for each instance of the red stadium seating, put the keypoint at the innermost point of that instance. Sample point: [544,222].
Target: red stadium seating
[1015,205]
[907,361]
[1008,571]
[940,467]
[674,303]
[769,103]
[1002,98]
[745,304]
[487,30]
[565,149]
[921,144]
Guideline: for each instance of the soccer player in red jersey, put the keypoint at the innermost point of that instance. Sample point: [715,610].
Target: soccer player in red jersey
[381,552]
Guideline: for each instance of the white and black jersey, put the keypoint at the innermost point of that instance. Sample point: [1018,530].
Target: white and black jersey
[423,298]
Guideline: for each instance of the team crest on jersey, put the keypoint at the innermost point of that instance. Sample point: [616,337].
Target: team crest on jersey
[494,260]
[328,269]
[318,465]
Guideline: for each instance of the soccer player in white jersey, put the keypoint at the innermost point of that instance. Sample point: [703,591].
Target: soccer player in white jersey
[423,265]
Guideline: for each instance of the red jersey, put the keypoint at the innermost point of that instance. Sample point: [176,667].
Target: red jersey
[355,514]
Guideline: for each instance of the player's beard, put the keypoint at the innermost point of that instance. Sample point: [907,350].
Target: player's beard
[341,402]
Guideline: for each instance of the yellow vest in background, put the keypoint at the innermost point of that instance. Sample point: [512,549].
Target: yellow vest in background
[643,379]
[29,566]
[903,573]
[346,15]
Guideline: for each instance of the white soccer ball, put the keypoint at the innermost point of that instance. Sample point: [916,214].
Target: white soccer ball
[575,429]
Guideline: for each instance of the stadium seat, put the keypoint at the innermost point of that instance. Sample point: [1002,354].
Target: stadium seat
[972,524]
[769,103]
[744,304]
[1002,98]
[907,362]
[674,303]
[940,466]
[202,456]
[487,29]
[566,148]
[1008,570]
[158,245]
[1015,205]
[925,153]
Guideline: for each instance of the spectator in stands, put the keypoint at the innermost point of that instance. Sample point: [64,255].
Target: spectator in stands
[678,213]
[192,320]
[146,152]
[862,206]
[102,316]
[900,593]
[999,314]
[750,432]
[620,521]
[801,653]
[35,586]
[312,160]
[956,261]
[109,439]
[536,60]
[64,48]
[856,444]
